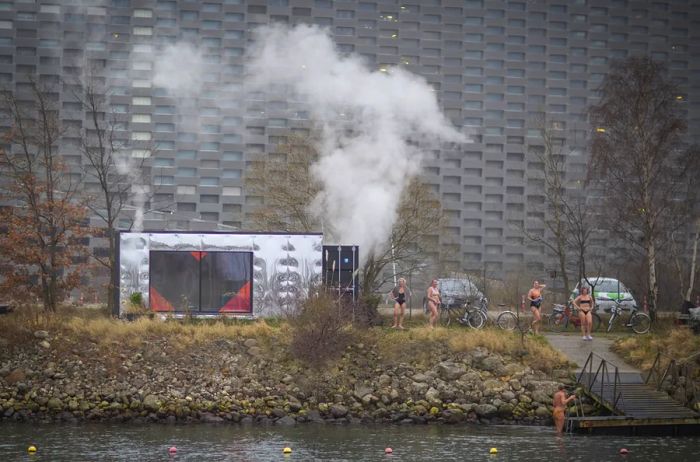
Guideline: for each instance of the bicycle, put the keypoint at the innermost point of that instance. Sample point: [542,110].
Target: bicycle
[464,314]
[509,320]
[563,314]
[639,322]
[475,316]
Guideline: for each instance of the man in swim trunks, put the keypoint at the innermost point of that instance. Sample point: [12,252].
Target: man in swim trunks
[399,294]
[535,297]
[559,404]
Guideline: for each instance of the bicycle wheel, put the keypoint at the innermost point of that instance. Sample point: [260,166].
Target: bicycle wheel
[475,319]
[611,322]
[640,323]
[507,320]
[596,322]
[557,321]
[445,316]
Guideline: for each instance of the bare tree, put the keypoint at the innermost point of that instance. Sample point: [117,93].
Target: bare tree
[558,213]
[41,245]
[108,161]
[284,183]
[638,156]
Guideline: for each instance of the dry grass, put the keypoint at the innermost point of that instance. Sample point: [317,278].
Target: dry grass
[422,344]
[95,326]
[641,350]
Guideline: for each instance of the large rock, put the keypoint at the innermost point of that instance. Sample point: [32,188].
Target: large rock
[361,391]
[450,371]
[286,421]
[151,402]
[420,377]
[41,334]
[485,410]
[250,342]
[338,411]
[18,375]
[54,404]
[433,396]
[492,363]
[45,344]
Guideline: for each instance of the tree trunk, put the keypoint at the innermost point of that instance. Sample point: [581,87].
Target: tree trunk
[693,263]
[652,282]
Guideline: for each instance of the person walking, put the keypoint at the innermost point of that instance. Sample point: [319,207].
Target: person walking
[399,294]
[584,303]
[433,296]
[535,297]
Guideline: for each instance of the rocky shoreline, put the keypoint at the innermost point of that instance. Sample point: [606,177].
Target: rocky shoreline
[253,380]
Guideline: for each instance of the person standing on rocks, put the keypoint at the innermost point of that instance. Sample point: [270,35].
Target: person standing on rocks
[559,404]
[433,302]
[399,294]
[535,297]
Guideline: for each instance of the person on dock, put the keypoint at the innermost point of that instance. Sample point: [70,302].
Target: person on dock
[399,294]
[433,296]
[535,297]
[559,404]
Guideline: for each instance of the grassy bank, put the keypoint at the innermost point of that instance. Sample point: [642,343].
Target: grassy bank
[74,328]
[641,350]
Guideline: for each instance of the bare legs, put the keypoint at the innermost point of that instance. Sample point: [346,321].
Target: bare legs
[433,313]
[536,318]
[586,324]
[399,310]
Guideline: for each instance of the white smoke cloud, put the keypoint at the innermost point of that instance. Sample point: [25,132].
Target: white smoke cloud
[367,119]
[125,166]
[179,68]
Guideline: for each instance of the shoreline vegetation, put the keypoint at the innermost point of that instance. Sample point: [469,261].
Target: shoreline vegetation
[81,365]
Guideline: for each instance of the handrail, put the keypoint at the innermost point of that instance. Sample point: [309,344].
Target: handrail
[675,370]
[604,373]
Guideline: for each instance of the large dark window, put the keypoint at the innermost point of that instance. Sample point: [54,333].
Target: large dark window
[201,282]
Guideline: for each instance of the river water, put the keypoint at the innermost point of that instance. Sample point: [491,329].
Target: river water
[201,442]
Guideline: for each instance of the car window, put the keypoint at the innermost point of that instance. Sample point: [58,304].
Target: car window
[610,286]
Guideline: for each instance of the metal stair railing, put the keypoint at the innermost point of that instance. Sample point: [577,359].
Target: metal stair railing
[600,382]
[675,370]
[578,405]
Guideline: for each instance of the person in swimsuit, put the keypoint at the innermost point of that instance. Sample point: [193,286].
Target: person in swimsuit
[559,404]
[535,297]
[399,294]
[584,303]
[433,302]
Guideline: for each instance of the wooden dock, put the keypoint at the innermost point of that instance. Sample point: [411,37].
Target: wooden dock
[636,407]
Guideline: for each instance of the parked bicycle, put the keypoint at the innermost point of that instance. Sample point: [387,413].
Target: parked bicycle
[466,314]
[509,320]
[475,316]
[639,322]
[563,315]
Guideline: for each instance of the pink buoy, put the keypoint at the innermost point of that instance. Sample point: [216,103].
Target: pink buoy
[172,450]
[624,451]
[388,451]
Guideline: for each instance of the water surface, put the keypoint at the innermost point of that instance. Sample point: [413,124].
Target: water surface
[121,442]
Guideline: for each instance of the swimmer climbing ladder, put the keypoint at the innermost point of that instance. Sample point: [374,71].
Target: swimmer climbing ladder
[635,406]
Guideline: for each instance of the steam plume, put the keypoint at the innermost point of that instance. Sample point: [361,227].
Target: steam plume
[367,120]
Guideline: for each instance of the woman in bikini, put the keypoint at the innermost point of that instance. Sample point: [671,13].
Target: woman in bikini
[433,302]
[535,297]
[584,303]
[399,294]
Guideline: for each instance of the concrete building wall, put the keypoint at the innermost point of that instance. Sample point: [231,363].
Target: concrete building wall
[493,64]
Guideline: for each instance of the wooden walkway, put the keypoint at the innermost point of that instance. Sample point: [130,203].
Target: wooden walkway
[635,406]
